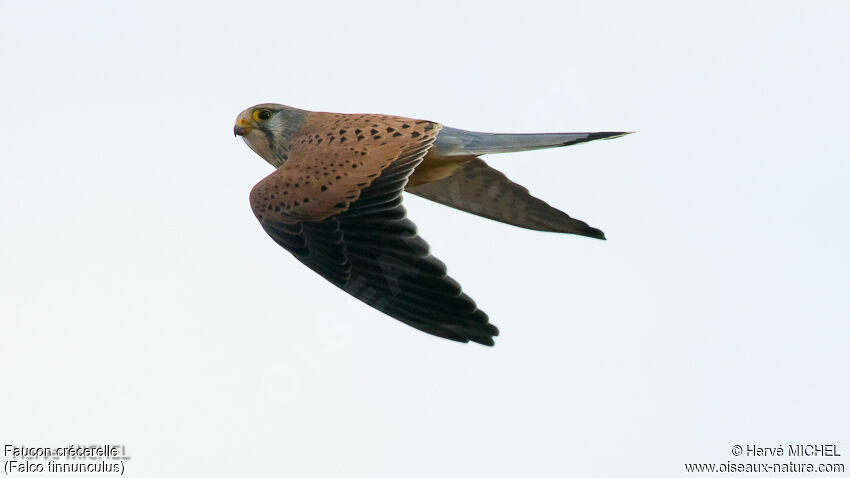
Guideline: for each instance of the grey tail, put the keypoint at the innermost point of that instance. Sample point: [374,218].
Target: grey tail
[458,142]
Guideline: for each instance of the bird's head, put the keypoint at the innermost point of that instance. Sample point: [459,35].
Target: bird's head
[268,128]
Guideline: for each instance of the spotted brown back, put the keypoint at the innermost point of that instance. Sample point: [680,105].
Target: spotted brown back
[333,157]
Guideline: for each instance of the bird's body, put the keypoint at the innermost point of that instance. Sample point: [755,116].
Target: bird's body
[334,202]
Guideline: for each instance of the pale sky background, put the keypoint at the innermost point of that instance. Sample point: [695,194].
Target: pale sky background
[142,304]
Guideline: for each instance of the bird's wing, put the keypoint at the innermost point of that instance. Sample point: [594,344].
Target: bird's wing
[339,212]
[477,188]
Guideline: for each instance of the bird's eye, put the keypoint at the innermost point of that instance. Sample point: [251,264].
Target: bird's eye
[262,115]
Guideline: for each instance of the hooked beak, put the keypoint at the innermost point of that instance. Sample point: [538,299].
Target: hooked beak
[241,128]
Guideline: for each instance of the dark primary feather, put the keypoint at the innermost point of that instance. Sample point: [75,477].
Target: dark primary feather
[372,251]
[481,190]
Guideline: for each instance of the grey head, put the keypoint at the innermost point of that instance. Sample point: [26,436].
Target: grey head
[268,128]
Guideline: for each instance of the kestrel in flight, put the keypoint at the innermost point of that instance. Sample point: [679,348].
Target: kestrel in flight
[334,202]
